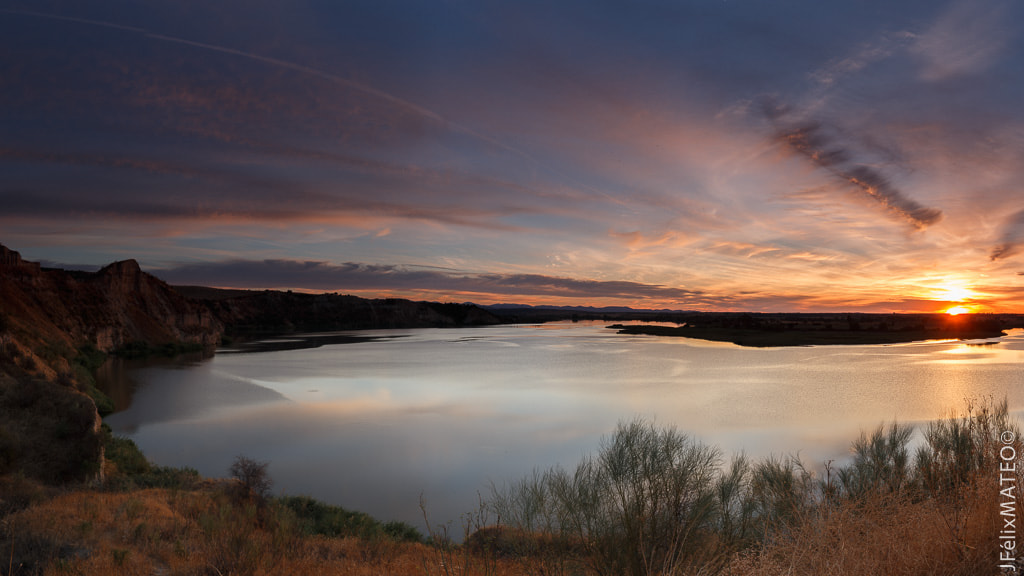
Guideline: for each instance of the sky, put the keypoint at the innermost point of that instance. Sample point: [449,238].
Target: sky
[693,155]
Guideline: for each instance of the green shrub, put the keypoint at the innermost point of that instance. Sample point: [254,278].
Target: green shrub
[315,517]
[401,531]
[119,556]
[183,478]
[90,358]
[136,471]
[104,403]
[125,454]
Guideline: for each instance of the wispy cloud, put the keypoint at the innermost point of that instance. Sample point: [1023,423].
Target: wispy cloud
[290,207]
[28,154]
[966,39]
[405,105]
[838,69]
[553,149]
[240,53]
[1012,240]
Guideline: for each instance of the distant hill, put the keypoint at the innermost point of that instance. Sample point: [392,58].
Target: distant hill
[256,311]
[585,309]
[207,293]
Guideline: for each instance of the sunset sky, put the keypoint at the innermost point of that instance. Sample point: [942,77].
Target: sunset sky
[711,155]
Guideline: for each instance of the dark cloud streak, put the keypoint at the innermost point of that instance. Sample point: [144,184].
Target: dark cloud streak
[289,207]
[824,150]
[318,275]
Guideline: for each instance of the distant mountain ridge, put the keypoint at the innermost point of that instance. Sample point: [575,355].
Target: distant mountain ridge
[263,311]
[587,309]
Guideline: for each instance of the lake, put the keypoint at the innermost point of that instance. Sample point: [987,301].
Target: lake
[377,422]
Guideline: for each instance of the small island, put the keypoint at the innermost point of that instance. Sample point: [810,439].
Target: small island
[766,330]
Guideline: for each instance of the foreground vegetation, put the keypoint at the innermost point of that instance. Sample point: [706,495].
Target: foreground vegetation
[651,500]
[654,501]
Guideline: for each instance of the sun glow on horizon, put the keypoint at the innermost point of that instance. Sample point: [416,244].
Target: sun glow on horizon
[958,296]
[954,292]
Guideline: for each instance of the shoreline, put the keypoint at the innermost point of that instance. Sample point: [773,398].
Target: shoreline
[755,338]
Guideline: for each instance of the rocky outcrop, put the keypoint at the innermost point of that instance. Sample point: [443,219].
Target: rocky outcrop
[144,308]
[109,309]
[49,425]
[11,260]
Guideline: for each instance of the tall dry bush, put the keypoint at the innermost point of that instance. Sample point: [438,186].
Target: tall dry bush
[645,504]
[254,482]
[655,502]
[881,463]
[876,534]
[938,516]
[958,468]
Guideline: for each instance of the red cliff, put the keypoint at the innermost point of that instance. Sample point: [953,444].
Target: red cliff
[116,306]
[49,426]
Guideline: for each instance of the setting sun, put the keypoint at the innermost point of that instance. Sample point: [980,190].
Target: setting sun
[958,310]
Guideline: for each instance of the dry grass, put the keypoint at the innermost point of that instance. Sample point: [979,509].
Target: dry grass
[200,532]
[896,536]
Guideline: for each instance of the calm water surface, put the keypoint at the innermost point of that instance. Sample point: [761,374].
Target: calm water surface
[373,425]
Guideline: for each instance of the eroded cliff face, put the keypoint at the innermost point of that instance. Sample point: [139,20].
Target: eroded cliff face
[144,308]
[49,424]
[116,306]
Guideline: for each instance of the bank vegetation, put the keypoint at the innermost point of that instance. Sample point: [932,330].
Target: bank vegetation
[650,501]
